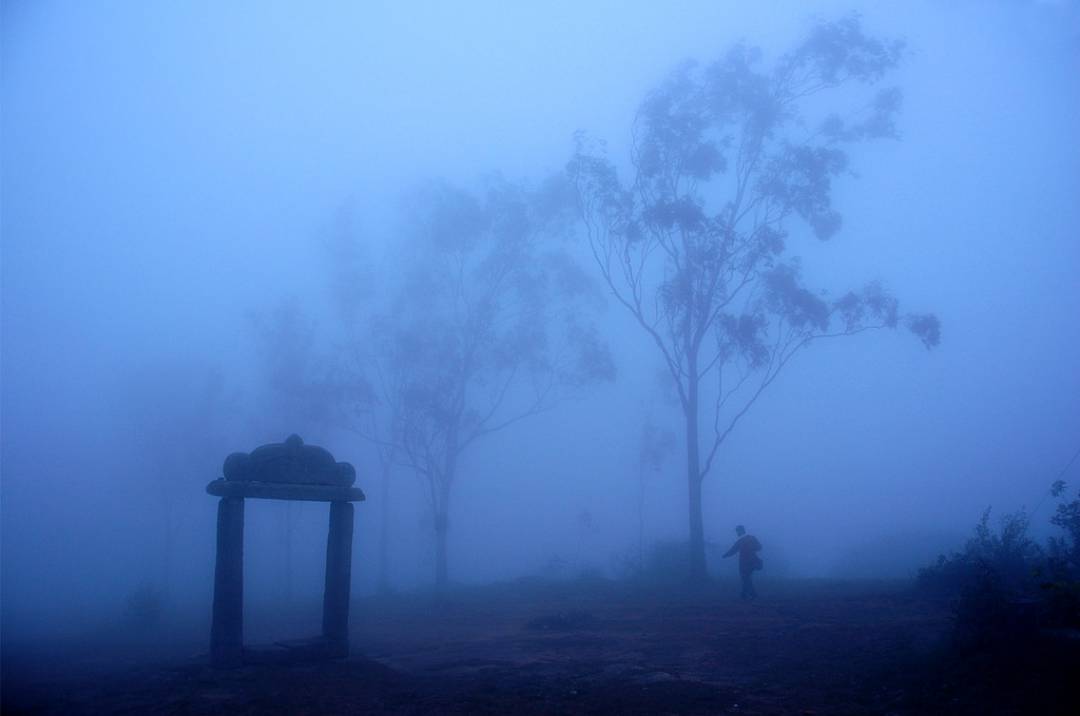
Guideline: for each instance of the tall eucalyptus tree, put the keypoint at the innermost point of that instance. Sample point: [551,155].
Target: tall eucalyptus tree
[726,160]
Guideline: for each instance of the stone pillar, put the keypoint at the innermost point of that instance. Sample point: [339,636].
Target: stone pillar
[338,577]
[227,628]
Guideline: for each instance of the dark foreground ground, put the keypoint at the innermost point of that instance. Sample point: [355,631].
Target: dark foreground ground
[587,647]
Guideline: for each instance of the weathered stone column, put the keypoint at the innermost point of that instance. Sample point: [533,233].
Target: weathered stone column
[338,577]
[227,628]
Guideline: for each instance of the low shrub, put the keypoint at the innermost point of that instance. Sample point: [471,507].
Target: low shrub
[1005,587]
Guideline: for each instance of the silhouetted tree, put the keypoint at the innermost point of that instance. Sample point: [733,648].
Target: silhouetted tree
[484,332]
[693,243]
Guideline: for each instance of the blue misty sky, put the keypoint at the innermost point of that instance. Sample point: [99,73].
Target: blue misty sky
[168,168]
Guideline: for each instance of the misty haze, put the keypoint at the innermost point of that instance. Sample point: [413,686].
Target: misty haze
[542,357]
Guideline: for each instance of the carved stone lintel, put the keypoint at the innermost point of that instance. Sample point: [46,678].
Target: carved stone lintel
[281,491]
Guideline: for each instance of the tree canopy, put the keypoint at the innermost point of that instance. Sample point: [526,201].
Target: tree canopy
[726,160]
[485,330]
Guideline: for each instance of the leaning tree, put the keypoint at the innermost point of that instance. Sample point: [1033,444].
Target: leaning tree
[725,160]
[485,330]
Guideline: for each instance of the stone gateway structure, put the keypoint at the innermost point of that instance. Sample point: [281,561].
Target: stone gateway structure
[282,471]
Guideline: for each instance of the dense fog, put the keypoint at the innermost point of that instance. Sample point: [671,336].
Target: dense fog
[224,223]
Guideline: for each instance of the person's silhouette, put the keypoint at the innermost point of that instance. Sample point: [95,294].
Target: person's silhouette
[747,546]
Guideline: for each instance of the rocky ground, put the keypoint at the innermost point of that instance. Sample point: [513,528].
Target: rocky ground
[804,647]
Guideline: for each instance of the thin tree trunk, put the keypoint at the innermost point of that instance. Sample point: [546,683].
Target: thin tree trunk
[641,520]
[440,551]
[698,572]
[442,524]
[384,531]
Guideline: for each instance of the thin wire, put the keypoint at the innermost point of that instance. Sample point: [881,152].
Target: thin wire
[1059,476]
[1069,464]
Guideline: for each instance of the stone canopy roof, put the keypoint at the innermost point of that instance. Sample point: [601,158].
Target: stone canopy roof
[288,470]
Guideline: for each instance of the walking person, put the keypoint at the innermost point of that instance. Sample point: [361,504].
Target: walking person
[747,547]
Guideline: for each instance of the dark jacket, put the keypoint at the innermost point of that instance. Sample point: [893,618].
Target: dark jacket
[747,546]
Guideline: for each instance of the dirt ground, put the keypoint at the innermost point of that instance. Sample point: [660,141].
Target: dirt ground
[596,647]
